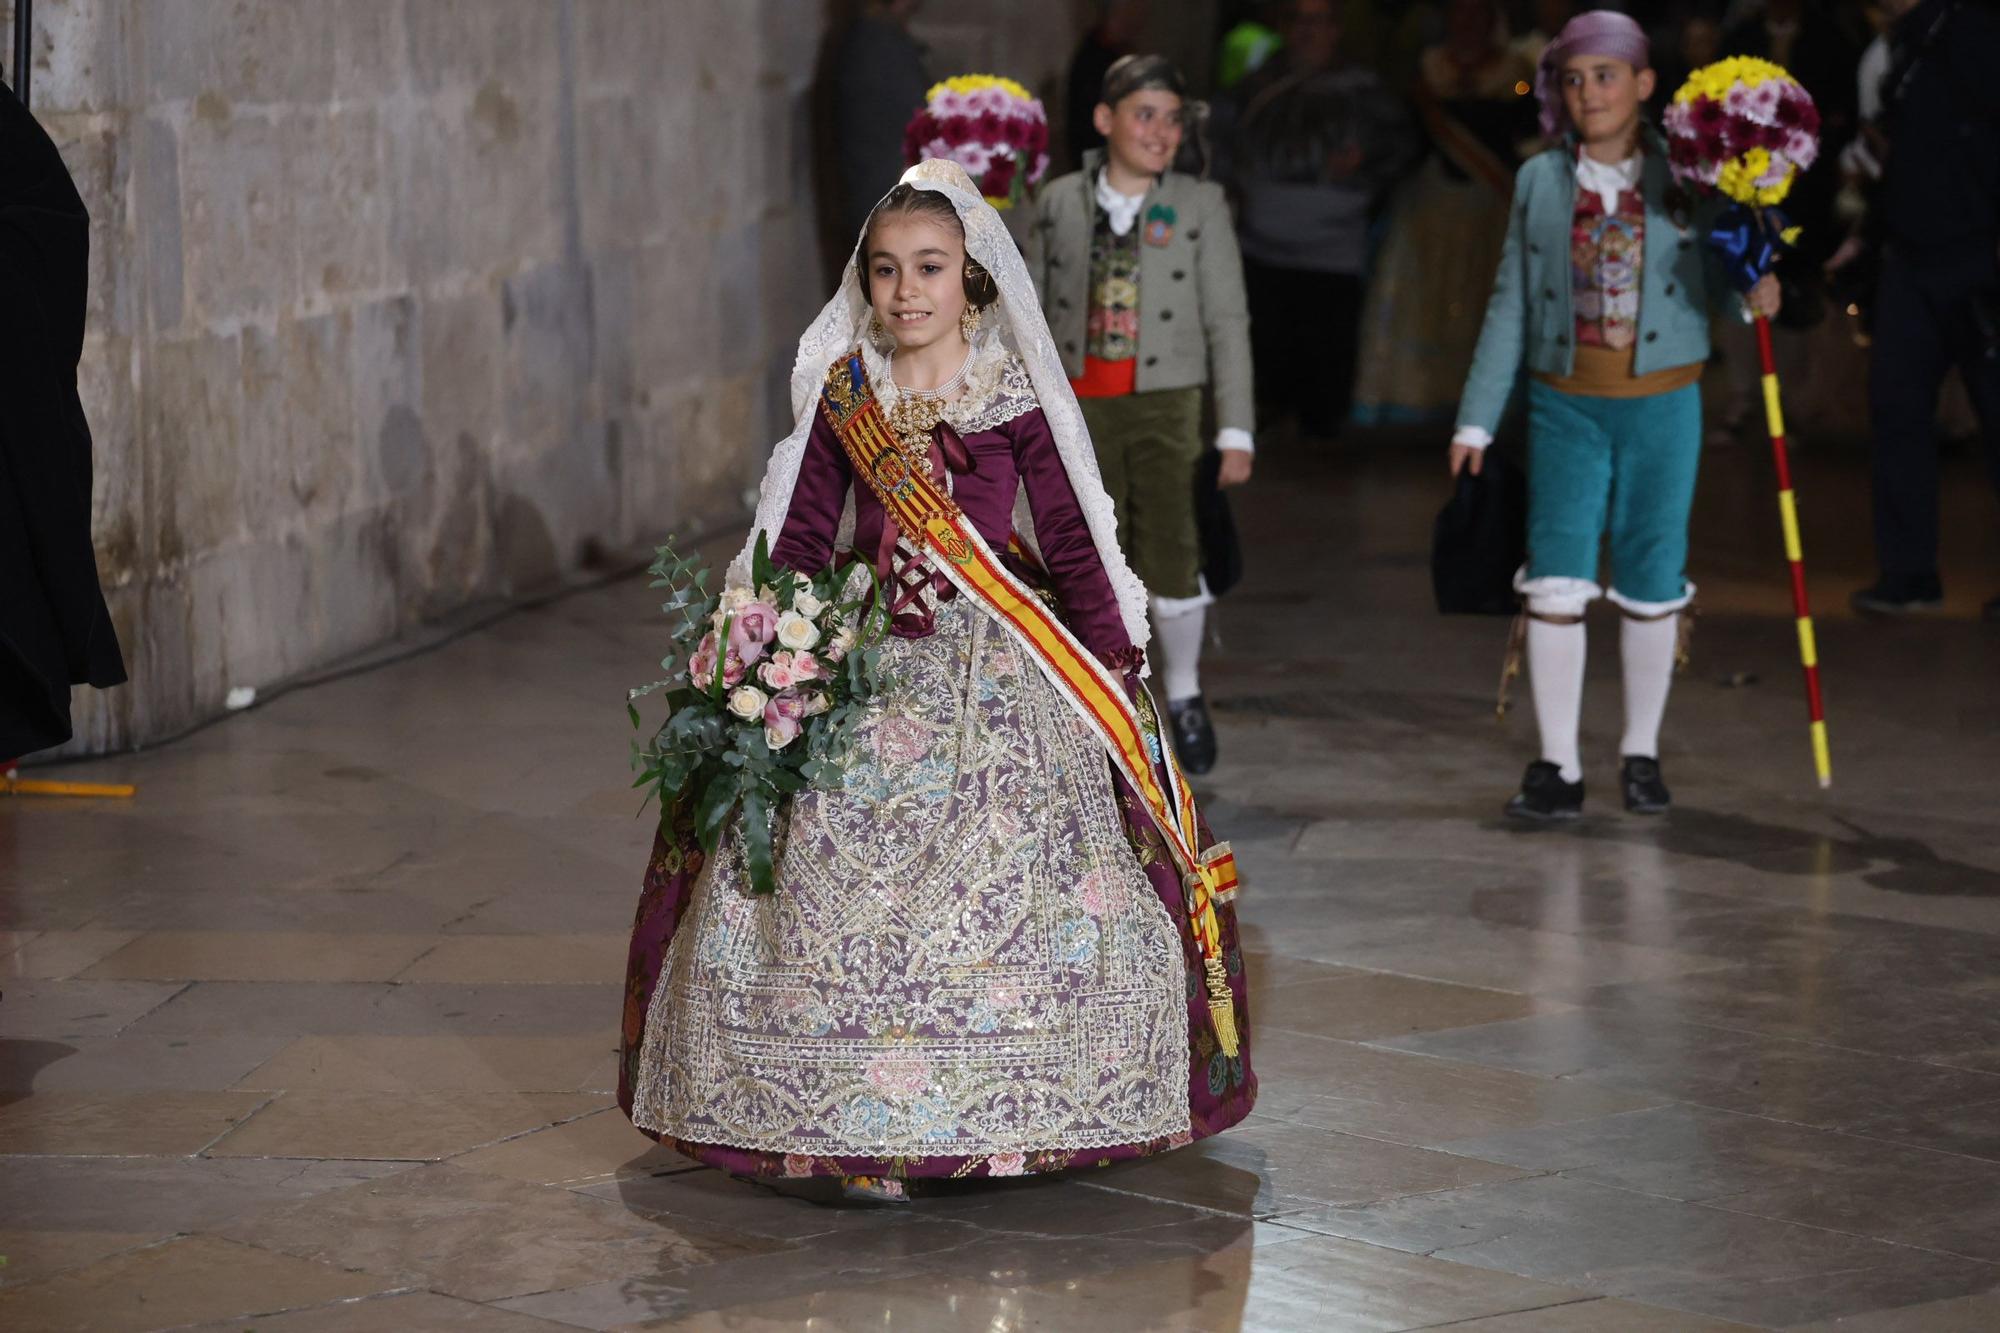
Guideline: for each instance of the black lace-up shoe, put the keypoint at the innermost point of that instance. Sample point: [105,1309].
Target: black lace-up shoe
[1899,595]
[1645,790]
[1194,734]
[1545,796]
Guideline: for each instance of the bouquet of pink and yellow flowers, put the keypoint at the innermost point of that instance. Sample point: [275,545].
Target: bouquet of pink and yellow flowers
[993,127]
[765,684]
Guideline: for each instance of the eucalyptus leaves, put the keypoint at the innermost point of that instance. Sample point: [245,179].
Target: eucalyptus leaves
[764,687]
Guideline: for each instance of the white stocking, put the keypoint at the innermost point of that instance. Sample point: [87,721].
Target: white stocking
[1555,675]
[1177,649]
[1647,650]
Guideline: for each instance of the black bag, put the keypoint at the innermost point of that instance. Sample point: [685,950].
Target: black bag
[1221,554]
[1480,539]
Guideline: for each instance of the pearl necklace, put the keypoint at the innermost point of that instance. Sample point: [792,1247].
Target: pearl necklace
[945,390]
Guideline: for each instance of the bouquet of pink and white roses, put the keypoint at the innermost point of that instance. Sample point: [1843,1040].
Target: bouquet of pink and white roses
[765,684]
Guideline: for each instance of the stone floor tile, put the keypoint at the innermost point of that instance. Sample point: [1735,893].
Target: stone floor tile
[1964,1314]
[1374,1005]
[372,1009]
[1906,1101]
[30,1256]
[1205,1275]
[162,1194]
[891,1248]
[131,1064]
[67,1010]
[522,959]
[55,955]
[431,1064]
[1266,1166]
[483,1237]
[271,955]
[595,1147]
[122,1124]
[1415,1099]
[1601,1316]
[181,1282]
[403,1312]
[1472,953]
[1747,1164]
[390,1125]
[776,1210]
[1658,1251]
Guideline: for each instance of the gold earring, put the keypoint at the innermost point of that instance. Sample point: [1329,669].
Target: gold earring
[968,322]
[877,335]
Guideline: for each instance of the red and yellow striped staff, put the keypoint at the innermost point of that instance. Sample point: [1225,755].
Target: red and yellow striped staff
[1788,513]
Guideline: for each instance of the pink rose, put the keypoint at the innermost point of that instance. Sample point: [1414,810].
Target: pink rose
[798,1165]
[1006,1164]
[805,667]
[756,624]
[777,674]
[701,667]
[781,720]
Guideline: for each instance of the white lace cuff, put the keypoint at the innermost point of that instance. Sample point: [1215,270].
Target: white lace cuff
[1237,438]
[1472,437]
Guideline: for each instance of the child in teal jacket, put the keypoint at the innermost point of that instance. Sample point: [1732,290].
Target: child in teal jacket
[1603,294]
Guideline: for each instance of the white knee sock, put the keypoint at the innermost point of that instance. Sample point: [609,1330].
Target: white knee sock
[1555,675]
[1647,650]
[1177,651]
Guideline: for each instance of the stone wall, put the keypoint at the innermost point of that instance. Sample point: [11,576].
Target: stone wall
[400,305]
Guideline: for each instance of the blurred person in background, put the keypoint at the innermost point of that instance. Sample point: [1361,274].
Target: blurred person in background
[1119,26]
[879,83]
[1428,287]
[1315,146]
[1935,220]
[1138,270]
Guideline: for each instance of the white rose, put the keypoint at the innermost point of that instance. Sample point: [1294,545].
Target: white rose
[806,604]
[847,638]
[778,738]
[747,702]
[796,632]
[817,704]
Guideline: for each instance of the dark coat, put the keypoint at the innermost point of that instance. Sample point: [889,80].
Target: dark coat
[54,628]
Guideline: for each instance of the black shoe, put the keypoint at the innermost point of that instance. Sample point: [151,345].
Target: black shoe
[1645,790]
[1899,595]
[1545,796]
[1194,734]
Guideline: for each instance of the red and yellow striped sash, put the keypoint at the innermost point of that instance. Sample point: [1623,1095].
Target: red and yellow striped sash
[922,508]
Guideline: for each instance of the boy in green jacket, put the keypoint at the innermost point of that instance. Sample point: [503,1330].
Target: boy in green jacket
[1137,268]
[1603,292]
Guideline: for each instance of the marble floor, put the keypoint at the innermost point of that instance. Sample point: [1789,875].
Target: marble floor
[317,1032]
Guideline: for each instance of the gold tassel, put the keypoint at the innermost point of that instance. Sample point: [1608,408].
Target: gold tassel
[1684,639]
[1222,1007]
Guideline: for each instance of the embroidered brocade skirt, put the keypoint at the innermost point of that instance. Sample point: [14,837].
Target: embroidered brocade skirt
[970,965]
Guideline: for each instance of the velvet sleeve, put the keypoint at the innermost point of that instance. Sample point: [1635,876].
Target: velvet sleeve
[1067,549]
[818,496]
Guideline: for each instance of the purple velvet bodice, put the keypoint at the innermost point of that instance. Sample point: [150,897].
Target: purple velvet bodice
[1018,454]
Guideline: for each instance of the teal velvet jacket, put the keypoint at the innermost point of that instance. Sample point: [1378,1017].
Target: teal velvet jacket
[1529,319]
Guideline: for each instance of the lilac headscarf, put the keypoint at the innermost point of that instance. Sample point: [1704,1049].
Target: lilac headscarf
[1597,32]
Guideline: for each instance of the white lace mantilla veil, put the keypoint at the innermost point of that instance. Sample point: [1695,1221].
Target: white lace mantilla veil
[1016,320]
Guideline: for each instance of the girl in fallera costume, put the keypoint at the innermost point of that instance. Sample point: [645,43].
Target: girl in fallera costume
[1603,292]
[1004,944]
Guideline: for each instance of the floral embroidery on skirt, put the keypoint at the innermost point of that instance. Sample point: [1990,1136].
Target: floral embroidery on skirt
[964,958]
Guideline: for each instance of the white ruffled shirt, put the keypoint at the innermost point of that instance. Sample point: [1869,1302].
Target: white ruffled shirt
[1606,180]
[1122,210]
